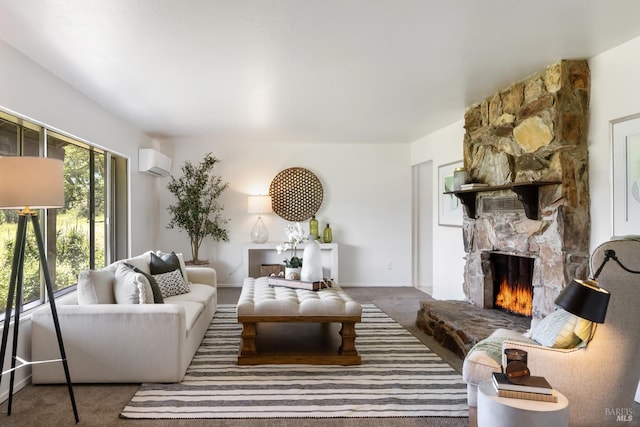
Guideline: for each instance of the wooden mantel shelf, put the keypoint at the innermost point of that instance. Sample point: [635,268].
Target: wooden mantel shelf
[527,193]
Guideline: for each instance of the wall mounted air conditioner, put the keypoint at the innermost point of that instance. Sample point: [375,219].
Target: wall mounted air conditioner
[153,162]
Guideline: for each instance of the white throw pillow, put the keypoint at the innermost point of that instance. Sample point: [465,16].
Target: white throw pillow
[96,287]
[140,261]
[131,287]
[561,329]
[171,283]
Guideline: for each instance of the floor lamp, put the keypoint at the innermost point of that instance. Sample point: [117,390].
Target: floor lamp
[26,183]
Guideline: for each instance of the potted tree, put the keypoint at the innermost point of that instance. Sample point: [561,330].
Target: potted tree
[198,210]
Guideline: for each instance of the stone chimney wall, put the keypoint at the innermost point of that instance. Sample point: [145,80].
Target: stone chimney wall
[534,130]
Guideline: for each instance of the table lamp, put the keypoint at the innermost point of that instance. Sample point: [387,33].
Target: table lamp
[30,183]
[585,298]
[259,205]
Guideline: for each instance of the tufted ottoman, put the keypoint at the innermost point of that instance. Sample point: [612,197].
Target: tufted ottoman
[261,303]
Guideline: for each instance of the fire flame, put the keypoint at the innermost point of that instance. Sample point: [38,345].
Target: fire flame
[517,298]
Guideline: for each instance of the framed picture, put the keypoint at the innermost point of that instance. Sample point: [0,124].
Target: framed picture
[625,135]
[450,207]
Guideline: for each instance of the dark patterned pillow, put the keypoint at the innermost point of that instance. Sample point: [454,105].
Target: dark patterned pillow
[161,262]
[171,283]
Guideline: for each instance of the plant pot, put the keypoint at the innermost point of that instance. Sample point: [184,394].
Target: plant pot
[292,273]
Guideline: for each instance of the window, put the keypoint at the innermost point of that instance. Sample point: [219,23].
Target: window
[86,232]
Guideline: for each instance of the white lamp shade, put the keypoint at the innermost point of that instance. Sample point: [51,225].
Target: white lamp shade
[34,182]
[259,204]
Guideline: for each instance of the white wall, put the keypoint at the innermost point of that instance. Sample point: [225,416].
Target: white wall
[367,201]
[442,147]
[615,93]
[32,92]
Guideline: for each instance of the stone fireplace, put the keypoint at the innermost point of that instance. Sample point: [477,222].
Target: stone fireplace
[529,144]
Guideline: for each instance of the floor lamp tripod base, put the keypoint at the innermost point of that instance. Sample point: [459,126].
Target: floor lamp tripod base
[15,295]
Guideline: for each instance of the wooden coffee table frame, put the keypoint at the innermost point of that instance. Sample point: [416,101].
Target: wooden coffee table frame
[347,353]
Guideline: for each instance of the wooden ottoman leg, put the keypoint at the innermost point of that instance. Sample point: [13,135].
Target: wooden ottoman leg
[348,334]
[248,339]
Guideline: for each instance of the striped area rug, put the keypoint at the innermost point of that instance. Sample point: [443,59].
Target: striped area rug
[399,377]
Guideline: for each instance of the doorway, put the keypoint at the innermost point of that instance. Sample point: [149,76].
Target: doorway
[422,225]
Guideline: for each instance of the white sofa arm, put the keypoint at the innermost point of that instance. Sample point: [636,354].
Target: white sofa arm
[202,275]
[103,334]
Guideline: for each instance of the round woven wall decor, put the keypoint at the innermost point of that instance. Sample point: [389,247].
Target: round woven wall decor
[296,194]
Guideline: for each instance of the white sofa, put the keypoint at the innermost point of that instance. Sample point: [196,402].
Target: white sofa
[124,343]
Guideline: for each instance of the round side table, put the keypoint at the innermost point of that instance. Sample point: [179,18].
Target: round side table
[494,411]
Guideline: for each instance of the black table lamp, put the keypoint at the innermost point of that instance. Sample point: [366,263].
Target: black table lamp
[26,183]
[585,298]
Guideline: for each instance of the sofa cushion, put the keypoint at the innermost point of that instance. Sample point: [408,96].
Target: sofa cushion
[96,287]
[155,289]
[198,293]
[131,287]
[561,329]
[162,262]
[171,283]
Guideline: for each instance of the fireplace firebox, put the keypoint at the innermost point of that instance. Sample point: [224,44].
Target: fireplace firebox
[512,283]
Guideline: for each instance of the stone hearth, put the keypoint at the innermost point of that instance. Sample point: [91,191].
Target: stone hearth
[459,325]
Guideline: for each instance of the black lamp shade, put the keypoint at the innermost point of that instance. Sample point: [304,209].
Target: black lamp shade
[585,299]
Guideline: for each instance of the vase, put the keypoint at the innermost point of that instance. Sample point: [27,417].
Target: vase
[313,228]
[327,234]
[292,273]
[312,266]
[259,232]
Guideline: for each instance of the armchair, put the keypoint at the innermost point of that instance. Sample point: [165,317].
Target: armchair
[600,379]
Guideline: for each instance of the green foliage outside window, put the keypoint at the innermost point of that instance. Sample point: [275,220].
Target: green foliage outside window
[69,230]
[72,256]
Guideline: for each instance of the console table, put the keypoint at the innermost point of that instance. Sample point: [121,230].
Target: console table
[256,254]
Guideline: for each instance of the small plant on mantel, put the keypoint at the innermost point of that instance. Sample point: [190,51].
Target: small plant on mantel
[198,210]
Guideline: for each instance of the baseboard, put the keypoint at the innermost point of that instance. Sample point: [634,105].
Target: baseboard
[17,386]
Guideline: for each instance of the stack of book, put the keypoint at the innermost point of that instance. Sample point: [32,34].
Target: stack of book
[472,185]
[529,388]
[299,284]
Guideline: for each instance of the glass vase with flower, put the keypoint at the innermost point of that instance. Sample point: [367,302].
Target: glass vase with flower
[293,264]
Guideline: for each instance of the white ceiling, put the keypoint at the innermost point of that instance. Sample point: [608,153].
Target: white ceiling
[305,70]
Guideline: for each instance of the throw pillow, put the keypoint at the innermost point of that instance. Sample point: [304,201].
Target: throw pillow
[131,287]
[171,283]
[164,263]
[141,261]
[170,259]
[95,287]
[561,329]
[155,289]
